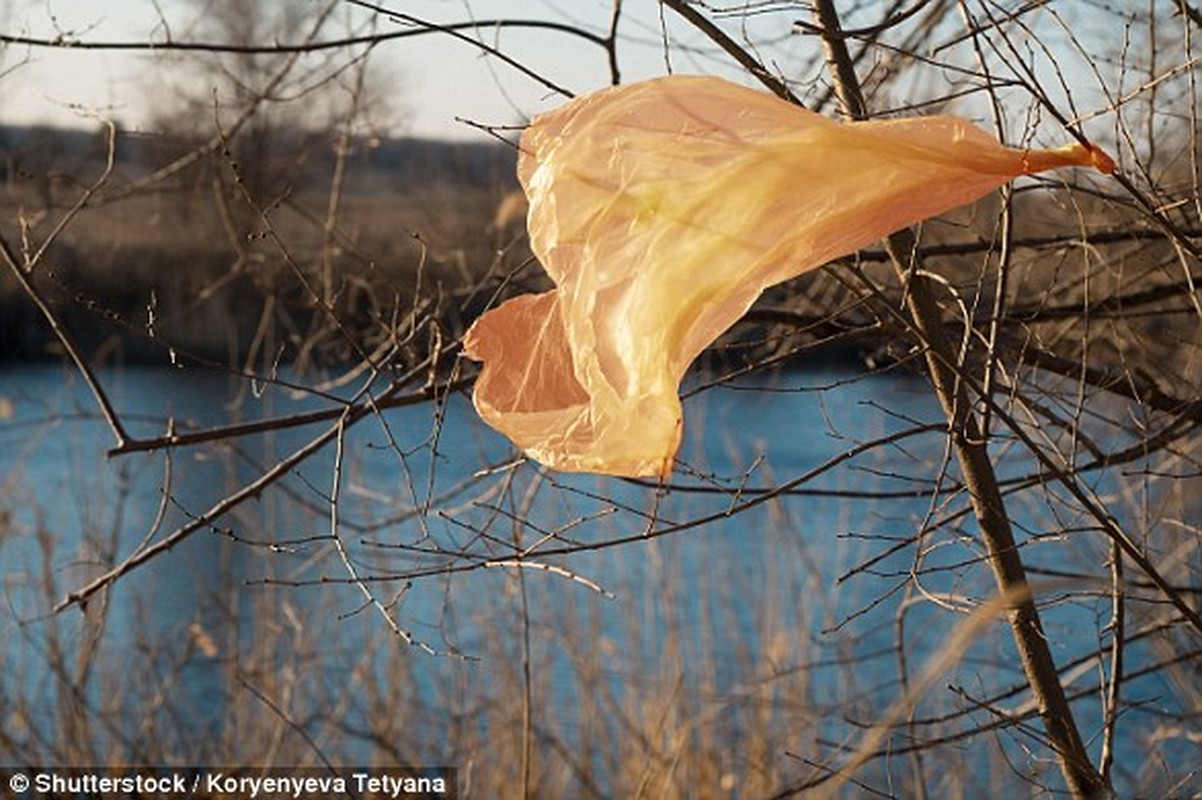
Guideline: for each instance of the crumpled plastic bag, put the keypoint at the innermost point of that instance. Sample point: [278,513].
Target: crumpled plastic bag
[661,210]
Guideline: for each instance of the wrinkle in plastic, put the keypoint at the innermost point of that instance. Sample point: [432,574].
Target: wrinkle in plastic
[661,210]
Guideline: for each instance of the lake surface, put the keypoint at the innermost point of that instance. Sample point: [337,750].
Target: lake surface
[716,608]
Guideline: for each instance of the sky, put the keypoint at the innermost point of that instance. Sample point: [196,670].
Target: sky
[427,85]
[424,83]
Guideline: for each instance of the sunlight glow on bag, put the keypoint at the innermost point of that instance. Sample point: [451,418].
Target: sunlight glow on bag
[662,210]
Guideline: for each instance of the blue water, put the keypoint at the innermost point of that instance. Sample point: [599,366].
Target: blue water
[770,586]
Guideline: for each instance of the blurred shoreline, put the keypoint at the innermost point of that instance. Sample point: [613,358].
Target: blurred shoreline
[187,264]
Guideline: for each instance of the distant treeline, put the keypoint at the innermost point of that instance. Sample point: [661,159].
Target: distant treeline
[33,153]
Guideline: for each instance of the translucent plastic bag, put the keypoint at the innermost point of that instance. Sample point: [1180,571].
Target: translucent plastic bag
[662,210]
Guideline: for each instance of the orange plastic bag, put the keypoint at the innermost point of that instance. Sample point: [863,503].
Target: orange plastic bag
[662,210]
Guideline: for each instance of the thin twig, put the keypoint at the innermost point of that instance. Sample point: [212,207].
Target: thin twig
[24,275]
[340,546]
[1118,645]
[732,48]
